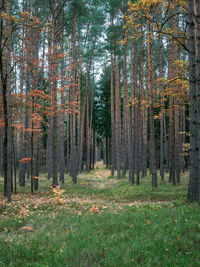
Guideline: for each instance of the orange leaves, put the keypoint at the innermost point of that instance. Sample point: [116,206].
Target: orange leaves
[17,126]
[25,160]
[27,228]
[94,209]
[36,177]
[148,222]
[23,212]
[2,123]
[38,93]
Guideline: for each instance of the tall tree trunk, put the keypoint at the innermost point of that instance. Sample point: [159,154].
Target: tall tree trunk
[151,111]
[136,122]
[21,135]
[193,194]
[197,47]
[49,157]
[62,124]
[112,117]
[73,156]
[132,126]
[54,97]
[125,111]
[117,118]
[161,74]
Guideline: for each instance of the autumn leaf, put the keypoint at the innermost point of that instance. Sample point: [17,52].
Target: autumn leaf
[148,222]
[94,209]
[67,230]
[178,238]
[25,160]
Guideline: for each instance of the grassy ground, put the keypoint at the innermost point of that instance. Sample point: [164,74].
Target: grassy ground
[100,222]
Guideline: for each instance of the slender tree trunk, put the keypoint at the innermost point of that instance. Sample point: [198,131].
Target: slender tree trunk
[132,126]
[137,119]
[112,118]
[152,126]
[161,74]
[54,98]
[125,111]
[62,124]
[117,119]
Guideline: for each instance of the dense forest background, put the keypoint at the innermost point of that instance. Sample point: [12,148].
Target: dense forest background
[83,80]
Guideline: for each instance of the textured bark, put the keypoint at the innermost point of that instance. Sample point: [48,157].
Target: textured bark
[197,47]
[80,125]
[62,124]
[49,159]
[151,112]
[142,108]
[21,135]
[161,74]
[132,127]
[36,136]
[5,70]
[125,111]
[136,111]
[112,118]
[73,152]
[117,118]
[193,192]
[54,97]
[171,114]
[1,151]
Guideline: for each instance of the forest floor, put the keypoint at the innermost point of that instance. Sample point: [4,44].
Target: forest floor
[100,221]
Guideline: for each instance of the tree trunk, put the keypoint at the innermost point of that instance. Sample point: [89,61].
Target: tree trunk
[54,98]
[151,111]
[193,194]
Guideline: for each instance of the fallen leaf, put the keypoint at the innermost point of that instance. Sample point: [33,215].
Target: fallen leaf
[94,209]
[148,221]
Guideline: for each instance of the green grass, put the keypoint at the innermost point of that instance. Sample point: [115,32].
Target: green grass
[133,225]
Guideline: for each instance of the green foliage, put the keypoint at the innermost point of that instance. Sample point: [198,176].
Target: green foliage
[150,235]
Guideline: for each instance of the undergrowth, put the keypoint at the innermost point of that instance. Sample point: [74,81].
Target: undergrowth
[100,222]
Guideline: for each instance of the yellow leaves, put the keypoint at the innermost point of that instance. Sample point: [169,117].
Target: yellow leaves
[15,19]
[134,101]
[57,195]
[186,146]
[48,24]
[184,133]
[123,42]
